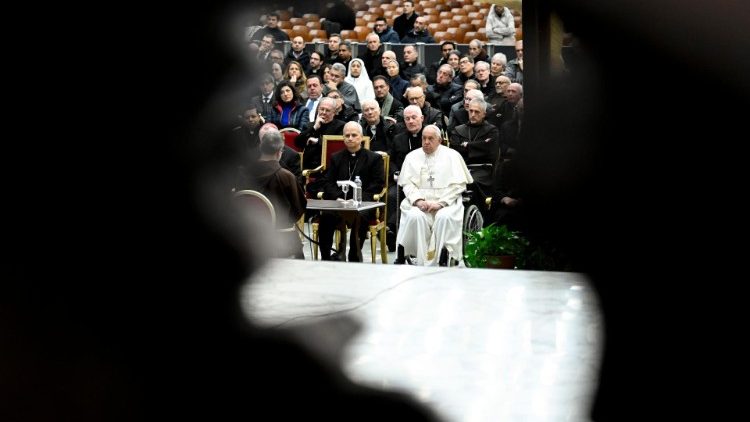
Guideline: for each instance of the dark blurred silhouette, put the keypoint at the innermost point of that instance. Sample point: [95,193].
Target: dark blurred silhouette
[620,168]
[121,298]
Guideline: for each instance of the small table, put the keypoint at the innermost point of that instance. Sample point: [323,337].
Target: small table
[342,208]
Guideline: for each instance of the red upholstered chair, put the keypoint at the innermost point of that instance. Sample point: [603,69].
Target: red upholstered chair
[331,145]
[290,134]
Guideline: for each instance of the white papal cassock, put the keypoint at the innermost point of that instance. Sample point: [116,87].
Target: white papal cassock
[440,176]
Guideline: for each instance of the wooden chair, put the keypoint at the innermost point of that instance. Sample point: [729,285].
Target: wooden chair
[437,27]
[459,19]
[311,17]
[431,18]
[313,25]
[455,33]
[256,205]
[379,225]
[441,36]
[482,34]
[302,31]
[297,21]
[290,135]
[348,34]
[318,34]
[468,27]
[285,25]
[361,32]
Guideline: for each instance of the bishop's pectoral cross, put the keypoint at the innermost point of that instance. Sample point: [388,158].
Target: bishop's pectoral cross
[431,179]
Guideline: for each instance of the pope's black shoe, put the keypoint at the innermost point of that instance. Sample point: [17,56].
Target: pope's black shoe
[400,258]
[443,262]
[390,240]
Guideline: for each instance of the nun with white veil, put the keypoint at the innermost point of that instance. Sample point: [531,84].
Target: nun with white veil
[358,77]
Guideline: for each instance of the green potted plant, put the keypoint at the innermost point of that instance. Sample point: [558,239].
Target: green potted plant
[495,247]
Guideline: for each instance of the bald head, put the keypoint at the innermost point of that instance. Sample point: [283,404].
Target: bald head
[353,136]
[413,118]
[268,127]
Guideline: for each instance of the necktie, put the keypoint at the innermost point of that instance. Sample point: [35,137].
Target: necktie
[310,105]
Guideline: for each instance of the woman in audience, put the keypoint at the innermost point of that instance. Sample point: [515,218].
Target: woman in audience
[325,70]
[360,79]
[398,84]
[295,74]
[287,110]
[454,58]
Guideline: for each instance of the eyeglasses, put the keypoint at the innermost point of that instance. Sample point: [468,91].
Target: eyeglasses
[415,98]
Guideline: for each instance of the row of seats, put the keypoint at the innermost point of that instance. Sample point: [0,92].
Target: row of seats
[445,21]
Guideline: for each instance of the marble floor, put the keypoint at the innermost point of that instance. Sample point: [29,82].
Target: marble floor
[473,344]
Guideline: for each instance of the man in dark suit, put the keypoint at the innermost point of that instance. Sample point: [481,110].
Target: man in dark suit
[264,101]
[271,28]
[405,23]
[347,164]
[478,143]
[310,139]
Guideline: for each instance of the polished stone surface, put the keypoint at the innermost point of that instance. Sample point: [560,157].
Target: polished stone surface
[474,344]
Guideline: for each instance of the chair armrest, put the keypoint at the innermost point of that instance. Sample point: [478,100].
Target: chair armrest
[308,172]
[377,196]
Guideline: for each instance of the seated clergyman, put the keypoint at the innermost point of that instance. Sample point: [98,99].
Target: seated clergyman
[433,178]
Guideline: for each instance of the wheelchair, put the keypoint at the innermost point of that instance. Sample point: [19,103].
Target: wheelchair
[476,204]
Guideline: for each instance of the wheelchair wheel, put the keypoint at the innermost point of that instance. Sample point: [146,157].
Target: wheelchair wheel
[473,221]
